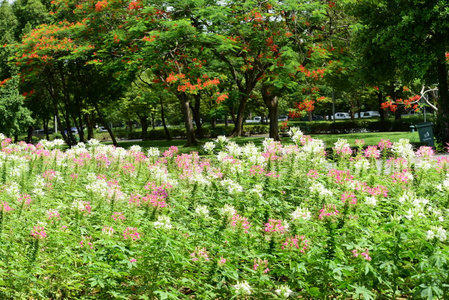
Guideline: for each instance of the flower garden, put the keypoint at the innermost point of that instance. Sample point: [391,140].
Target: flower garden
[284,221]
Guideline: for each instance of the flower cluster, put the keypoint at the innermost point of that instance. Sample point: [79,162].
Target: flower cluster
[130,233]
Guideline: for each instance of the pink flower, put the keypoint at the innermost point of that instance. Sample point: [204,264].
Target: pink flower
[53,214]
[133,260]
[372,152]
[328,211]
[296,242]
[240,222]
[275,226]
[425,152]
[365,255]
[262,264]
[38,232]
[359,143]
[349,196]
[313,174]
[4,206]
[384,144]
[199,253]
[131,234]
[118,216]
[25,198]
[222,261]
[108,230]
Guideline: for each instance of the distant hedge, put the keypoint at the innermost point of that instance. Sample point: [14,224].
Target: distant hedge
[355,126]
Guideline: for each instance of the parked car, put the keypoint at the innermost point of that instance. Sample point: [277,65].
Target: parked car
[372,113]
[255,120]
[341,116]
[39,132]
[74,130]
[282,118]
[367,114]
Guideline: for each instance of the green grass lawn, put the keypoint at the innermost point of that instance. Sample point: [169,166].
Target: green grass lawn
[371,138]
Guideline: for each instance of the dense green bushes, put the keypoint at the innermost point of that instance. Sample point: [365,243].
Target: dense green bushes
[354,126]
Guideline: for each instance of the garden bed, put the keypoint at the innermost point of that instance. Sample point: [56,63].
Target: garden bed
[97,222]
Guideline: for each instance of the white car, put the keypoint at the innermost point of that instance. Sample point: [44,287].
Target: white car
[341,116]
[367,114]
[282,118]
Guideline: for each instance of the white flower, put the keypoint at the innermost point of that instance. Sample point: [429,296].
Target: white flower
[295,134]
[13,189]
[284,291]
[221,139]
[209,147]
[153,152]
[78,205]
[440,233]
[58,143]
[232,186]
[93,142]
[362,164]
[2,137]
[436,232]
[403,149]
[250,150]
[228,210]
[163,222]
[407,197]
[409,214]
[370,201]
[233,149]
[199,179]
[135,148]
[319,188]
[202,210]
[99,188]
[301,213]
[243,288]
[80,145]
[258,190]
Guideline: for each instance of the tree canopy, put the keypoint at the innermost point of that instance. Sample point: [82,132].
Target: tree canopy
[226,57]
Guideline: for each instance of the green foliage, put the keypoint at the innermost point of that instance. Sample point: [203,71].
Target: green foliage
[14,116]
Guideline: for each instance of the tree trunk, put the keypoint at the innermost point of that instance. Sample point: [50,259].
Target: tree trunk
[66,97]
[129,124]
[185,107]
[45,124]
[90,121]
[80,118]
[232,111]
[238,124]
[196,116]
[30,134]
[153,120]
[443,100]
[381,111]
[272,102]
[111,134]
[144,121]
[167,132]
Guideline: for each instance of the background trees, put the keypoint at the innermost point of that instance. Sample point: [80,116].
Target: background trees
[219,58]
[408,39]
